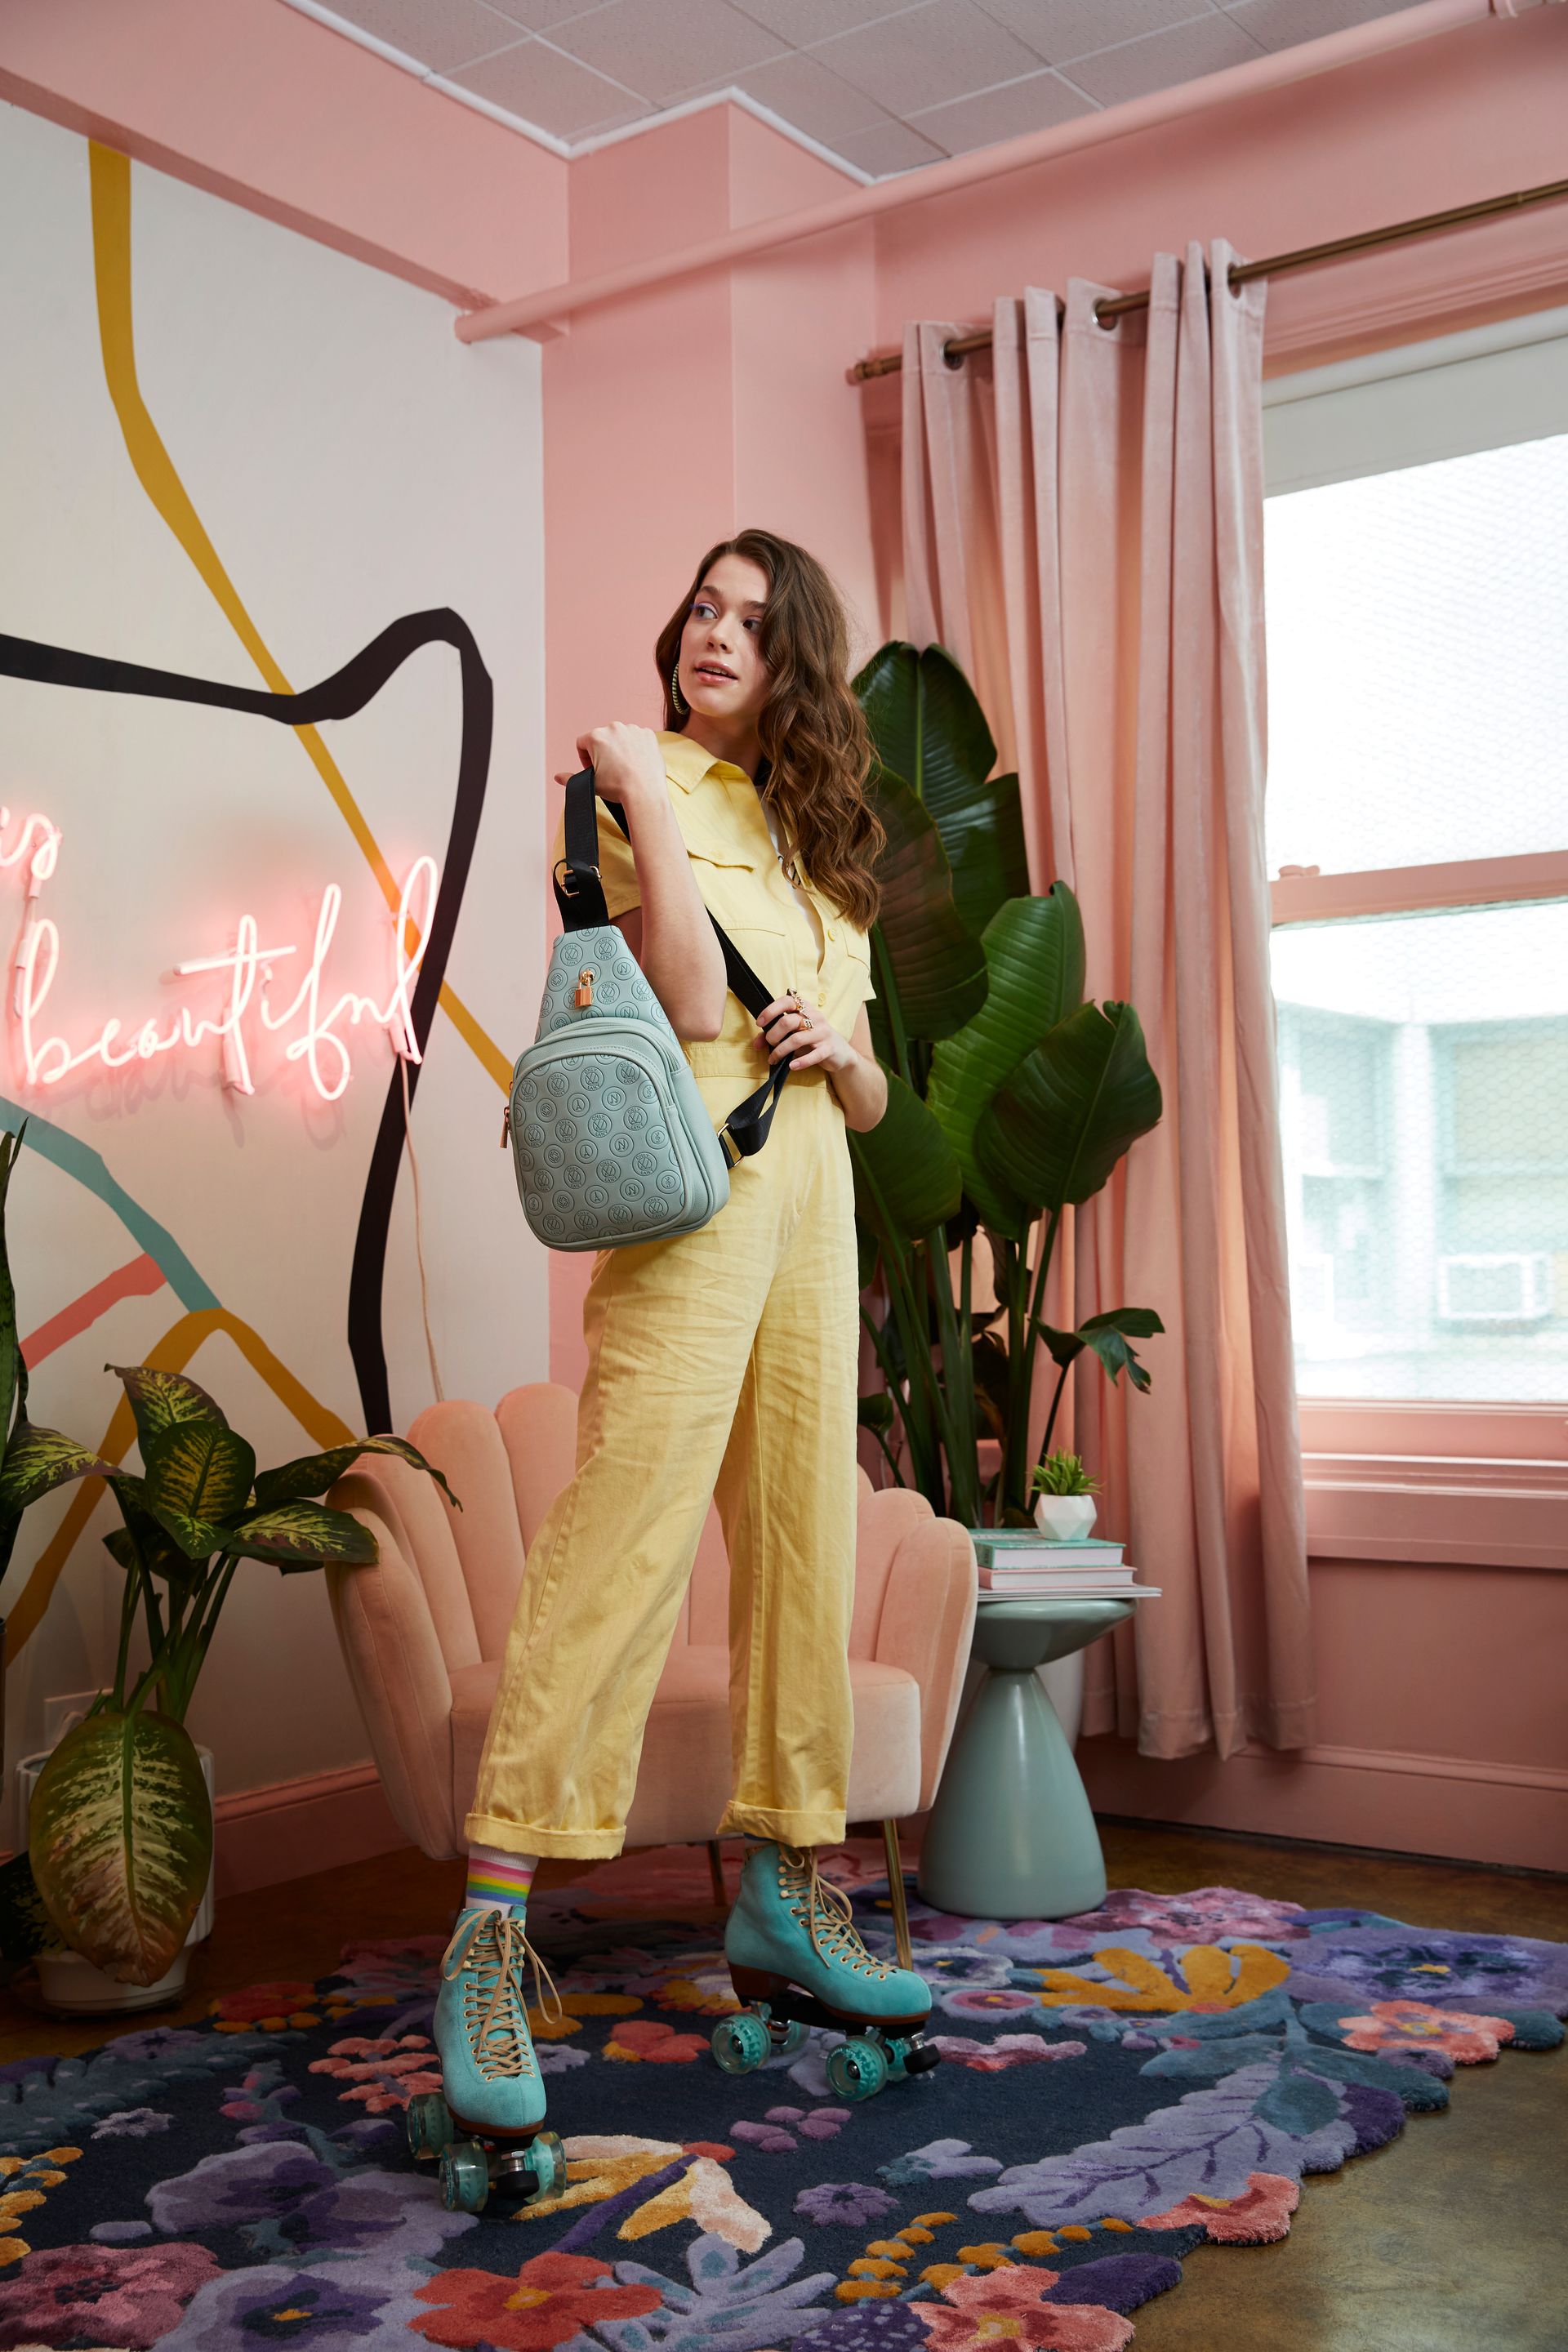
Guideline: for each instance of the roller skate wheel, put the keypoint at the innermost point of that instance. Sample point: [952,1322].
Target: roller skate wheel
[465,2176]
[549,2161]
[429,2123]
[857,2069]
[787,2038]
[740,2043]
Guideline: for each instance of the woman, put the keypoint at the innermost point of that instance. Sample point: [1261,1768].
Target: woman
[721,1363]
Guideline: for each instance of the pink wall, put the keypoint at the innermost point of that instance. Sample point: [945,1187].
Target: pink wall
[676,417]
[676,414]
[254,102]
[1440,1725]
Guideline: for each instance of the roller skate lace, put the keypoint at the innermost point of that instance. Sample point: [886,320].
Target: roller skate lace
[493,1946]
[827,1912]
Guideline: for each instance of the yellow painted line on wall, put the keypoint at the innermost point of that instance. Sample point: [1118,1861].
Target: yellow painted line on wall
[171,1353]
[154,470]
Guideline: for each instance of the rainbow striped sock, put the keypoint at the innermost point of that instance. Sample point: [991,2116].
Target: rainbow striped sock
[497,1879]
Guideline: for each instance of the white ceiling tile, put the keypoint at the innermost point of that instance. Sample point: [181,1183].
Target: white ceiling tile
[802,92]
[662,47]
[891,147]
[1162,60]
[536,82]
[539,16]
[1280,24]
[1059,29]
[800,21]
[929,54]
[439,33]
[1011,111]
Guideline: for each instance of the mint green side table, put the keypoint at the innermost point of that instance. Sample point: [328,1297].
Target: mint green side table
[1011,1835]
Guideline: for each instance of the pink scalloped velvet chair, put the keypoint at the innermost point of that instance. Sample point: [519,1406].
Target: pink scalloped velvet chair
[423,1632]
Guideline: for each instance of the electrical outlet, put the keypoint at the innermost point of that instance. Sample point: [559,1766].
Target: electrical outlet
[59,1714]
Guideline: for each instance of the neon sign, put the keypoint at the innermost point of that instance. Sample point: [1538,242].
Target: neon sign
[316,1016]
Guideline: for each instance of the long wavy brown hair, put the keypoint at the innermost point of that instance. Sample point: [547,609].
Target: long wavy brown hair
[811,728]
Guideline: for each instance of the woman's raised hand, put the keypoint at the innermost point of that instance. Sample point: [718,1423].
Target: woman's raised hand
[627,764]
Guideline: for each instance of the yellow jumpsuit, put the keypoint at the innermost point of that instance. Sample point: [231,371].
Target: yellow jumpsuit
[722,1365]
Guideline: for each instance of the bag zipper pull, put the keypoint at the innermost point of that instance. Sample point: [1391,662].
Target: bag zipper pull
[586,985]
[506,1127]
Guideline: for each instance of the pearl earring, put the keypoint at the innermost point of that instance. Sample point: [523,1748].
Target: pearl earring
[677,697]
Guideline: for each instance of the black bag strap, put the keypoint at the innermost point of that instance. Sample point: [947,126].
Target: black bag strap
[582,907]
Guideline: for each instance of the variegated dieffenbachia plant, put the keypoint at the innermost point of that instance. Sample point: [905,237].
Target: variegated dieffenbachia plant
[120,1835]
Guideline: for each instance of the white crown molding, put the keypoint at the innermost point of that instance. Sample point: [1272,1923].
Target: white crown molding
[568,150]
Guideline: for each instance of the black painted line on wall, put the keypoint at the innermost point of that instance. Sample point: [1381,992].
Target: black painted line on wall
[342,696]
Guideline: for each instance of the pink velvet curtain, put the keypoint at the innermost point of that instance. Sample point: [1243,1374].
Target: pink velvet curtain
[1083,527]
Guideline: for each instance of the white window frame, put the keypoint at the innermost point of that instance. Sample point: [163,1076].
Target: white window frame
[1473,1484]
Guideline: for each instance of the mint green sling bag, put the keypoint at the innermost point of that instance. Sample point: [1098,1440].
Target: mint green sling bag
[611,1139]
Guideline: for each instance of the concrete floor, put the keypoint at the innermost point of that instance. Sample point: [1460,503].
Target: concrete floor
[1449,2240]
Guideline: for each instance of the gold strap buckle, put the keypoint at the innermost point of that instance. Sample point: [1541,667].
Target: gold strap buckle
[732,1151]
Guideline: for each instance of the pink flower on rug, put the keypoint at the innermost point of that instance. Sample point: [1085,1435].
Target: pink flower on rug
[1256,2217]
[1008,2306]
[1394,2025]
[385,2073]
[1008,2050]
[647,2038]
[127,2296]
[1200,1916]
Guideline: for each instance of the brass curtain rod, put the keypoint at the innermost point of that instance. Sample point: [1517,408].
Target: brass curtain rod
[1274,266]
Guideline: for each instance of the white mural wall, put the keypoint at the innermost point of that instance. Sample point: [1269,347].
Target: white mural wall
[235,458]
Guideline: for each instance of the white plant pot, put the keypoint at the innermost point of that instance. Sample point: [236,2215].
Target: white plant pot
[71,1984]
[1066,1519]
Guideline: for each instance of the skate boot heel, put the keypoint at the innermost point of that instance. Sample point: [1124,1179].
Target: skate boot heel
[796,1959]
[485,2124]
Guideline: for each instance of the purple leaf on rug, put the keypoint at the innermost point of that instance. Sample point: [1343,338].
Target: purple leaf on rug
[1207,2145]
[1121,2282]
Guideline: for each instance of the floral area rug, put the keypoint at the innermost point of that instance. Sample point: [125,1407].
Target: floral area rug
[1118,2091]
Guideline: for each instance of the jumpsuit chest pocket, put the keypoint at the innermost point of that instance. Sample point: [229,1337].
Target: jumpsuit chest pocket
[731,888]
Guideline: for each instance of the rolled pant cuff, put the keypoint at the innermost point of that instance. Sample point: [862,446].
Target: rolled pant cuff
[789,1829]
[521,1837]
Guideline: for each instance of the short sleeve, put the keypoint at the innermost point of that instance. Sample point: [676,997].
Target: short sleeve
[617,866]
[858,961]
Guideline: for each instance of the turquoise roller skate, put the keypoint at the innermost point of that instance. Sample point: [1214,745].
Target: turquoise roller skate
[486,2122]
[796,1959]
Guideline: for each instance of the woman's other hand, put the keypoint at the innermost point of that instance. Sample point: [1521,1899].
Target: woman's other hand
[797,1031]
[627,764]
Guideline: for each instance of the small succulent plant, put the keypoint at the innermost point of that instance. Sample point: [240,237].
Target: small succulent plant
[1064,1474]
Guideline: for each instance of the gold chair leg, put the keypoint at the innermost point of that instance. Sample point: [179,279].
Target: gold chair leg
[716,1873]
[896,1889]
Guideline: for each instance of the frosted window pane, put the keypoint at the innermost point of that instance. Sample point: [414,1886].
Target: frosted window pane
[1417,684]
[1424,1104]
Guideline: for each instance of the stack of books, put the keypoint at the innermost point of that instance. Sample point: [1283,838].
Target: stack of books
[1021,1561]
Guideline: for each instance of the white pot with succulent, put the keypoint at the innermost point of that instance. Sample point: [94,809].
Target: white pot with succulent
[1064,1498]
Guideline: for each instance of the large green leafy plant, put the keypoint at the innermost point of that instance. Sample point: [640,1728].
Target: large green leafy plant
[120,1835]
[1010,1100]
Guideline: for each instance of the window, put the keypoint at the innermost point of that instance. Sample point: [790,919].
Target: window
[1416,567]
